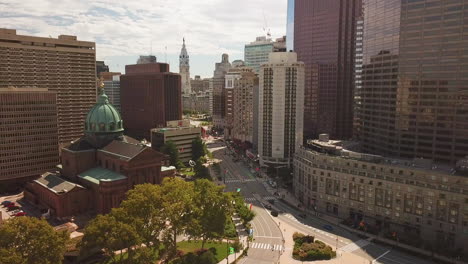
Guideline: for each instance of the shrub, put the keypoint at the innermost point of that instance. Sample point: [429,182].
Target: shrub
[306,249]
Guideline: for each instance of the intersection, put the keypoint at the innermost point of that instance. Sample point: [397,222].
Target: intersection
[269,243]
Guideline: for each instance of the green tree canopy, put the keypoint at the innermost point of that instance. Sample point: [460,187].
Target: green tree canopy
[143,209]
[106,233]
[212,207]
[178,209]
[201,172]
[199,149]
[169,148]
[30,240]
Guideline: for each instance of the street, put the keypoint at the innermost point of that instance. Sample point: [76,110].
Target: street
[268,242]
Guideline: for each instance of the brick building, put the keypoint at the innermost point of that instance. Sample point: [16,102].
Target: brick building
[64,65]
[28,134]
[97,169]
[150,96]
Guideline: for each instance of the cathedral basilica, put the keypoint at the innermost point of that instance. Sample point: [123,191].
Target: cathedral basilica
[98,169]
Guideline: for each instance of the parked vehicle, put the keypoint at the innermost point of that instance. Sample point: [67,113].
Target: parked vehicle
[267,206]
[12,208]
[10,205]
[274,213]
[303,215]
[328,227]
[6,203]
[20,213]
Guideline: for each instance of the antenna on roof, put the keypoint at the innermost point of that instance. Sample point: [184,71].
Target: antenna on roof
[266,30]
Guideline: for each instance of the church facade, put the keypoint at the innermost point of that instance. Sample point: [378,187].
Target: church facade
[98,169]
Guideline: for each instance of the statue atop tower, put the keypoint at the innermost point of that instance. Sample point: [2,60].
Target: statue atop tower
[184,70]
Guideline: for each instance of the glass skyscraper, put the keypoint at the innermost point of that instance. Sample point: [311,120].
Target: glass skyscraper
[324,39]
[414,94]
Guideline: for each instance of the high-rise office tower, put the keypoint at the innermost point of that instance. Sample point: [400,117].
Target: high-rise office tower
[236,82]
[281,109]
[324,40]
[244,87]
[184,69]
[100,68]
[150,96]
[218,93]
[111,82]
[414,96]
[290,26]
[256,53]
[200,85]
[28,134]
[63,65]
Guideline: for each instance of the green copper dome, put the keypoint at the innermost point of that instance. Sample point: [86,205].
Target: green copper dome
[103,122]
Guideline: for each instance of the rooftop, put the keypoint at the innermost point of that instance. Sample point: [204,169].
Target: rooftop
[56,184]
[97,174]
[350,150]
[124,150]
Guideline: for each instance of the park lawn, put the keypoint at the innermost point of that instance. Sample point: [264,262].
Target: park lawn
[188,171]
[192,246]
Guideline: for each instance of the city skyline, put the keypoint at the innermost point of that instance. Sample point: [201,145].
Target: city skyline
[124,30]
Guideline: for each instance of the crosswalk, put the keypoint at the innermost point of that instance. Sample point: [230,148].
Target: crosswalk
[355,246]
[237,180]
[253,199]
[267,246]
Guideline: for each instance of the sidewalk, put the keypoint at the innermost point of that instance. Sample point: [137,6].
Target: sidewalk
[286,256]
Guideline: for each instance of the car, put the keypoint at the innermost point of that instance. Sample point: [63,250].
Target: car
[267,206]
[328,227]
[272,201]
[6,203]
[303,215]
[12,208]
[20,213]
[10,205]
[274,213]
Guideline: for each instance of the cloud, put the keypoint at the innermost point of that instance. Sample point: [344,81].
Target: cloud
[123,28]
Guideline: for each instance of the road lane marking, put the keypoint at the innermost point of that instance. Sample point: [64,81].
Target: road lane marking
[375,260]
[267,246]
[355,246]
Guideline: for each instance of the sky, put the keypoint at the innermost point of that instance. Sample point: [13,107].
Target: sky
[125,29]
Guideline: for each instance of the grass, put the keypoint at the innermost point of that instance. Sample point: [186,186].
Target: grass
[192,246]
[188,171]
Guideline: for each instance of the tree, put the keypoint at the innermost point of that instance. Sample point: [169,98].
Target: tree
[170,148]
[243,211]
[201,172]
[178,210]
[199,148]
[212,207]
[11,256]
[106,233]
[143,209]
[30,240]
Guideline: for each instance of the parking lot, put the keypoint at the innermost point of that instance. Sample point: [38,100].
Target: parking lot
[19,206]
